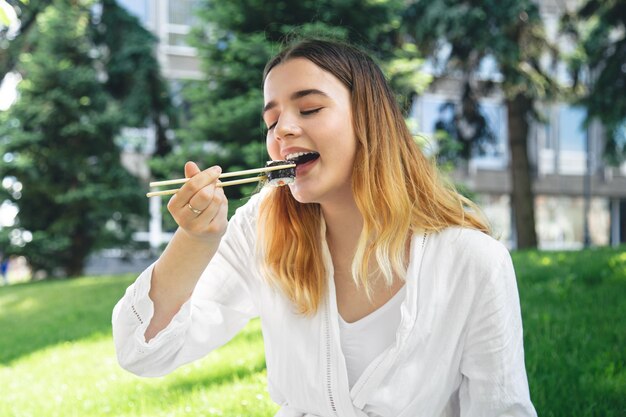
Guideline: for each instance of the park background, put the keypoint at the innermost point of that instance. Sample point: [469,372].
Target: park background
[522,103]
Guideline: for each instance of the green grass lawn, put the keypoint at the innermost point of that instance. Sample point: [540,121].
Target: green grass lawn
[574,311]
[57,357]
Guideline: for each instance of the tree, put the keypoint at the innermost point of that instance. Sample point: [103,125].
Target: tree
[509,31]
[73,194]
[127,50]
[234,40]
[599,68]
[462,130]
[133,73]
[14,41]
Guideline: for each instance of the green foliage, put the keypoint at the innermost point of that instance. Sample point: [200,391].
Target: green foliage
[509,31]
[12,44]
[75,195]
[370,23]
[125,51]
[403,69]
[598,66]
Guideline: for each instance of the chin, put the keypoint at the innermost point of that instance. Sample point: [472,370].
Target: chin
[300,196]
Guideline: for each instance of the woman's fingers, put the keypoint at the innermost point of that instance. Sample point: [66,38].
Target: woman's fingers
[199,206]
[191,169]
[215,215]
[199,180]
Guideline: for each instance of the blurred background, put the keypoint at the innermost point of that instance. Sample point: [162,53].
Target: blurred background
[522,103]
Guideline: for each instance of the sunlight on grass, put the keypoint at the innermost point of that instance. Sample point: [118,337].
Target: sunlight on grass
[617,264]
[83,379]
[59,361]
[545,261]
[25,305]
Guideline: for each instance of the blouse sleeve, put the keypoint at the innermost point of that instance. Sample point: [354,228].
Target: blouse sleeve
[494,374]
[220,306]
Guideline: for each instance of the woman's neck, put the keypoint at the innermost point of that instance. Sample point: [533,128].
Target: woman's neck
[344,224]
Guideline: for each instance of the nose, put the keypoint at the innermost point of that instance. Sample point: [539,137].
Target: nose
[287,127]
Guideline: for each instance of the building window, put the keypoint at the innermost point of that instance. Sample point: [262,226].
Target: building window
[181,12]
[496,116]
[562,142]
[572,134]
[497,210]
[177,39]
[138,8]
[433,113]
[572,140]
[560,221]
[180,18]
[620,139]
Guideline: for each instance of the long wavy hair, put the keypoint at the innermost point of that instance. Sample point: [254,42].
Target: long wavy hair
[396,188]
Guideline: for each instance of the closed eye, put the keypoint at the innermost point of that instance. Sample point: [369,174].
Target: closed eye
[308,112]
[302,112]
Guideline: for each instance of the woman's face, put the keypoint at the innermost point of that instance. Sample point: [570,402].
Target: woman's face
[309,119]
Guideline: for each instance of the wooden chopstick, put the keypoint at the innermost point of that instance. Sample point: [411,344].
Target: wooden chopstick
[225,175]
[219,184]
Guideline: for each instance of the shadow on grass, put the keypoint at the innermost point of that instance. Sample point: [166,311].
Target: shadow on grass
[212,378]
[34,316]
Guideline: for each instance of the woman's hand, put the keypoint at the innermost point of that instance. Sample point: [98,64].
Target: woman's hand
[200,207]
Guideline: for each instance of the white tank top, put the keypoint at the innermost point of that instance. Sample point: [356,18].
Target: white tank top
[365,339]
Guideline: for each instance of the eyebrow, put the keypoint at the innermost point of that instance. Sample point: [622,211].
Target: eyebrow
[296,95]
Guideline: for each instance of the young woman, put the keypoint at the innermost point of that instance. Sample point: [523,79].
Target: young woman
[379,289]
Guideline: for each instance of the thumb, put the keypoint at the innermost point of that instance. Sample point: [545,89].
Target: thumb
[191,169]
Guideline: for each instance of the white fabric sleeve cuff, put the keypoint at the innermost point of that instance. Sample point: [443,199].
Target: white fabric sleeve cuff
[142,309]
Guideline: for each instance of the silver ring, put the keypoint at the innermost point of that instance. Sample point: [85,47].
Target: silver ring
[194,210]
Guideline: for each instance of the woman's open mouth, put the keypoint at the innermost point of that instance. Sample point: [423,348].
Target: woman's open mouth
[302,160]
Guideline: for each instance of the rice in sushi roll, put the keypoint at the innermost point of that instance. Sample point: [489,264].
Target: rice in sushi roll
[280,177]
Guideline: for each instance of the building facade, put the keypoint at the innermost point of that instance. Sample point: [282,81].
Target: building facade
[579,199]
[171,21]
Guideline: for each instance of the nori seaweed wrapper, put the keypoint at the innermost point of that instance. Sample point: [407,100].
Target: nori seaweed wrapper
[281,176]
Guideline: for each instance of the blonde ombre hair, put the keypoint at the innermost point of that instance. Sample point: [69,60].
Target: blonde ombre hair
[396,188]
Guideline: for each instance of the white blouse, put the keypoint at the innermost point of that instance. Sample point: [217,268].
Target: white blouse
[458,348]
[363,340]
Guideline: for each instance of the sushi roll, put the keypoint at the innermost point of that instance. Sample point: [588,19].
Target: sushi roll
[280,177]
